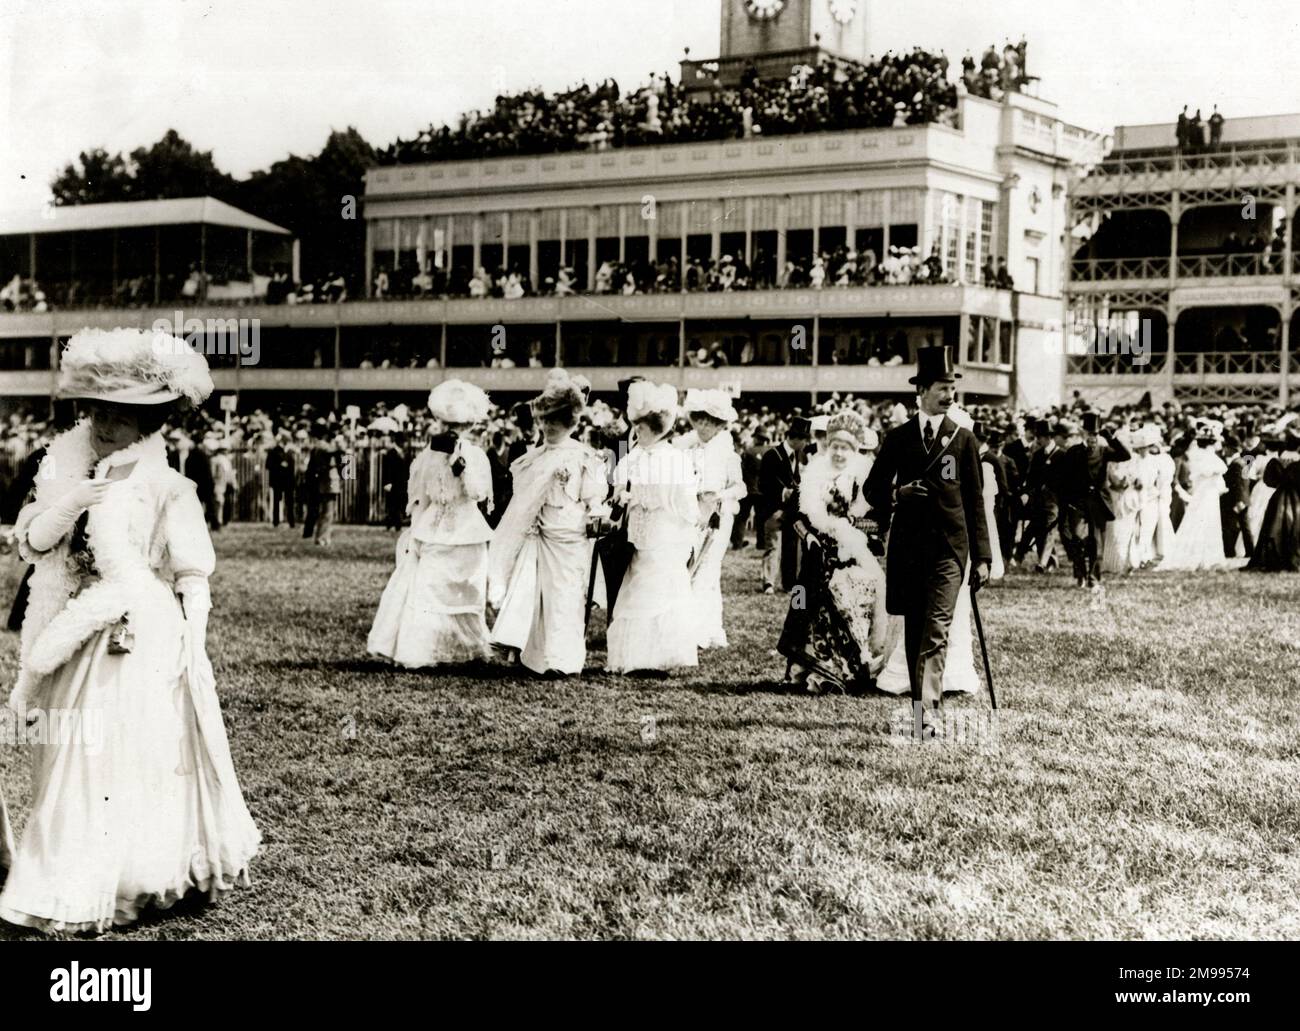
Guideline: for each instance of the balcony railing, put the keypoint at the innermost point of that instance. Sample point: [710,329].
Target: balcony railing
[1197,365]
[1151,162]
[1091,270]
[1114,364]
[1228,363]
[1202,266]
[1196,266]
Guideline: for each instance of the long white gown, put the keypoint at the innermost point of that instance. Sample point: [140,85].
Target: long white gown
[539,559]
[1260,494]
[718,467]
[996,568]
[143,804]
[1121,551]
[432,610]
[652,629]
[1164,468]
[1198,542]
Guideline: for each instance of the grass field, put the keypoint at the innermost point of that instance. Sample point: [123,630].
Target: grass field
[1142,782]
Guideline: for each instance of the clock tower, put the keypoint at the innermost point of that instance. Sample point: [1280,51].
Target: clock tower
[751,28]
[773,36]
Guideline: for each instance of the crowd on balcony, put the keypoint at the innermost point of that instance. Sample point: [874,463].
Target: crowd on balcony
[22,293]
[840,267]
[1191,131]
[898,89]
[996,73]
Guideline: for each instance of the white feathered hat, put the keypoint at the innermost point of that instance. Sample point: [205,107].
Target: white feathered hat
[716,403]
[456,401]
[132,366]
[644,398]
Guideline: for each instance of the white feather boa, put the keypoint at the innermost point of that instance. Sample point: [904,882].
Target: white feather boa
[56,623]
[816,481]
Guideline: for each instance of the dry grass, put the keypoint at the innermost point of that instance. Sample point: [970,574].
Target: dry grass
[1142,784]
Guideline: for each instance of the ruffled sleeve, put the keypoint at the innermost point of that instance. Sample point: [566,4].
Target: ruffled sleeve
[477,475]
[185,534]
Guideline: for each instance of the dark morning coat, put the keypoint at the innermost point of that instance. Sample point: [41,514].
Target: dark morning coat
[949,521]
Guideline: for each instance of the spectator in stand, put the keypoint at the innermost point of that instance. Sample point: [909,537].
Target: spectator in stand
[1216,128]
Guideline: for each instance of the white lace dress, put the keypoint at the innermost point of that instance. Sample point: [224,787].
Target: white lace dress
[1198,541]
[432,611]
[653,626]
[137,801]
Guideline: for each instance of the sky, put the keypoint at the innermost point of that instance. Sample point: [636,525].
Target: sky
[256,81]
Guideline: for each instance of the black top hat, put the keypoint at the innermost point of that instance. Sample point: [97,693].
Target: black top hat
[933,365]
[977,428]
[1091,422]
[800,429]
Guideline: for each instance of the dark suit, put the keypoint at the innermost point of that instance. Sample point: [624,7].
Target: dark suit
[931,540]
[1017,452]
[394,471]
[1080,477]
[1007,503]
[778,471]
[1233,507]
[614,549]
[280,477]
[1044,507]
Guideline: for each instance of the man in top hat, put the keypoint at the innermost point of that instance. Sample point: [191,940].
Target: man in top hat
[612,547]
[929,468]
[1081,479]
[1236,500]
[778,483]
[1038,496]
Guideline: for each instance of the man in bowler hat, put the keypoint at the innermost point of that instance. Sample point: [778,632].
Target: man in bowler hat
[929,470]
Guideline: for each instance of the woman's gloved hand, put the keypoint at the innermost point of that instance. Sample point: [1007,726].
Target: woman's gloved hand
[57,521]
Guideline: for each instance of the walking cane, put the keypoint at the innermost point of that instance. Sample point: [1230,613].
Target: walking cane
[591,584]
[984,651]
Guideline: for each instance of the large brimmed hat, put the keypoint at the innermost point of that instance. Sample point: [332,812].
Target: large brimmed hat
[459,402]
[934,365]
[561,391]
[646,398]
[133,367]
[715,403]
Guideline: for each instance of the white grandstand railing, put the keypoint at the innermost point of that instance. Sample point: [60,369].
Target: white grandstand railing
[1228,363]
[1091,270]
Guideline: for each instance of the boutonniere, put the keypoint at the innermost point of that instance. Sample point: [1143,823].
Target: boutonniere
[944,439]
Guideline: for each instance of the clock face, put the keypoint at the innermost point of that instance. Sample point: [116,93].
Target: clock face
[762,10]
[843,11]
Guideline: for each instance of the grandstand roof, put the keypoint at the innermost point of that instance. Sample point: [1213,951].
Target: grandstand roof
[134,214]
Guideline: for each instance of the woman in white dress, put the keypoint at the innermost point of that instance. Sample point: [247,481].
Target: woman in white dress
[652,627]
[540,555]
[1260,493]
[432,611]
[1120,544]
[997,570]
[1198,542]
[139,804]
[721,487]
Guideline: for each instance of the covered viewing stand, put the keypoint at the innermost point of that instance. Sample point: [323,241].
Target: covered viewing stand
[133,253]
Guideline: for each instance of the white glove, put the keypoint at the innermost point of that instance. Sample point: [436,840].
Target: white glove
[197,601]
[57,521]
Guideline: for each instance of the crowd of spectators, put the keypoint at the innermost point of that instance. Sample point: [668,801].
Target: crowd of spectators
[364,435]
[898,89]
[840,267]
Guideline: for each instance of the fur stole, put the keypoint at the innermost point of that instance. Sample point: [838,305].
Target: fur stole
[57,624]
[816,483]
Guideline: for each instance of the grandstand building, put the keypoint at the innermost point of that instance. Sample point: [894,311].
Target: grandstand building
[988,184]
[1192,246]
